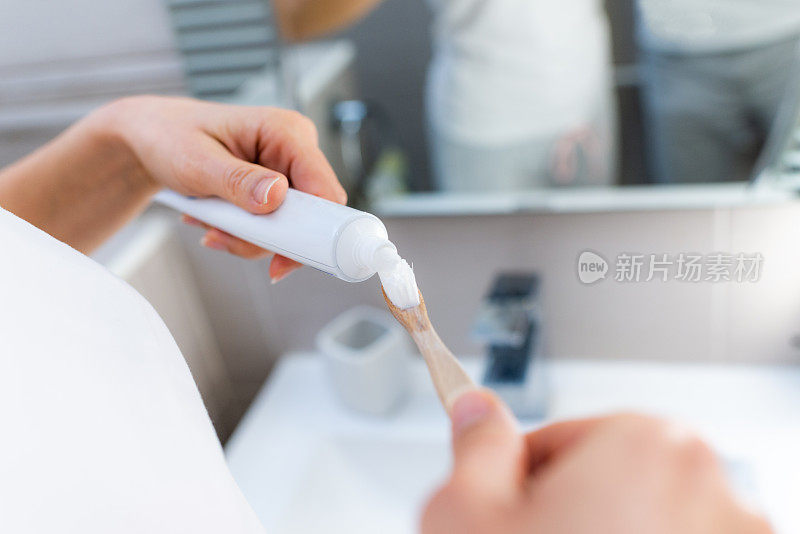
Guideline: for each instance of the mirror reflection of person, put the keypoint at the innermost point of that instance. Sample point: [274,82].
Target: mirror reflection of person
[519,92]
[104,429]
[519,95]
[715,73]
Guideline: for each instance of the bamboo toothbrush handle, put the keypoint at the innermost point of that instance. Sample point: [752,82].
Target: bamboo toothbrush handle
[449,378]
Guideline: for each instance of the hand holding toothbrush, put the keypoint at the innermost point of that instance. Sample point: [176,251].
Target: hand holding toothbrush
[621,474]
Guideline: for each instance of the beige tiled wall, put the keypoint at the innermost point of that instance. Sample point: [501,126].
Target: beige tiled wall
[456,257]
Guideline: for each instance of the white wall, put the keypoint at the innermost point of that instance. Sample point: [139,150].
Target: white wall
[59,60]
[81,29]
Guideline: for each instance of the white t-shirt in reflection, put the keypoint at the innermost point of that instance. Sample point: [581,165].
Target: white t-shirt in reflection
[103,428]
[506,71]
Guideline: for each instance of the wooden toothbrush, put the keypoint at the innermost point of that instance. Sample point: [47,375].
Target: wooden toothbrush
[449,378]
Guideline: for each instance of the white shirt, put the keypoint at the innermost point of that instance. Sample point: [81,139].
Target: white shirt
[709,26]
[103,430]
[506,71]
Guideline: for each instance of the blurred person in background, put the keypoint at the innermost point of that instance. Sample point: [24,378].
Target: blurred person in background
[108,433]
[714,74]
[519,92]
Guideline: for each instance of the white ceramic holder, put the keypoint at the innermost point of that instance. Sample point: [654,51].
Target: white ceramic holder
[367,356]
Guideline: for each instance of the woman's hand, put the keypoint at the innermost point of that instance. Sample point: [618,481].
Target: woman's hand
[623,474]
[102,171]
[246,155]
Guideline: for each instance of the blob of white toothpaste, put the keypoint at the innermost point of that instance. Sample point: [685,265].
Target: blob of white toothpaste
[397,278]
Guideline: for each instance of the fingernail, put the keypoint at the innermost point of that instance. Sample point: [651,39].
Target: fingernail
[213,243]
[261,192]
[469,409]
[191,221]
[280,277]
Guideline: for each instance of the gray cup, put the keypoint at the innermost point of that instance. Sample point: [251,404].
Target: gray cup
[367,357]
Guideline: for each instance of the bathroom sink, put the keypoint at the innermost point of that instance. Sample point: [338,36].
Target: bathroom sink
[353,484]
[308,464]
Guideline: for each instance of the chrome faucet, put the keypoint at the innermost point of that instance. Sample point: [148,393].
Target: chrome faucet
[509,322]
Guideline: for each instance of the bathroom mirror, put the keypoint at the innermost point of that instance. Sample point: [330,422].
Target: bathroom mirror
[442,106]
[525,98]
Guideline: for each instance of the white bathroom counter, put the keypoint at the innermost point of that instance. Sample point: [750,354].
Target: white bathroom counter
[584,200]
[304,462]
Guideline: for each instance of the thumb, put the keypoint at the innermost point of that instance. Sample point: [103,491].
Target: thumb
[252,187]
[488,450]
